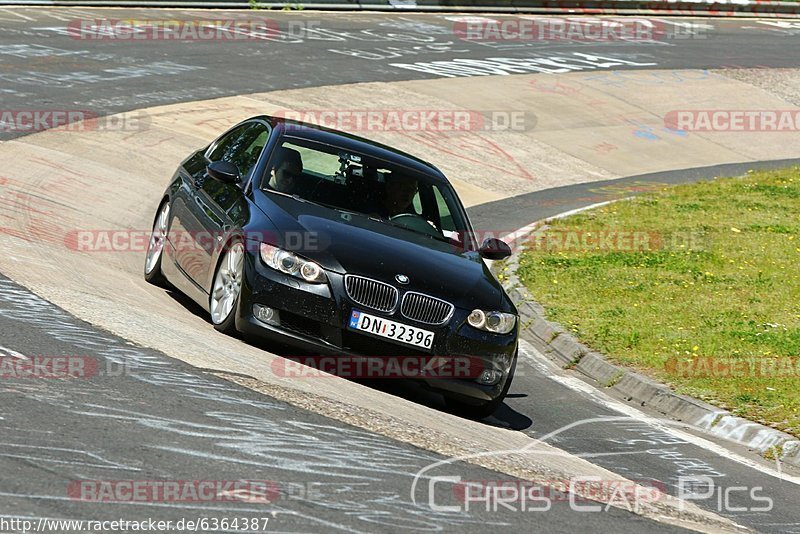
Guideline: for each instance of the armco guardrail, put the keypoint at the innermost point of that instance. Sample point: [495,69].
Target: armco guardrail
[715,8]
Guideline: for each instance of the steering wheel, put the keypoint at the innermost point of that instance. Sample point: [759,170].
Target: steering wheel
[412,221]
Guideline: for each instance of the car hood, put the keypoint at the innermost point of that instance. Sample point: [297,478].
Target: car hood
[353,244]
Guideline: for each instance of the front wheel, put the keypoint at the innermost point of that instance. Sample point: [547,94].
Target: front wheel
[227,287]
[155,248]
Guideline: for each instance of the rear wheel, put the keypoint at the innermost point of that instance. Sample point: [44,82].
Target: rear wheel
[227,287]
[155,248]
[481,411]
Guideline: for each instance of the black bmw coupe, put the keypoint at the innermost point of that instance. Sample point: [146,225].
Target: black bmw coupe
[337,246]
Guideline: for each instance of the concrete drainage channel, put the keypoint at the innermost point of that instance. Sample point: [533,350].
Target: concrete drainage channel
[556,343]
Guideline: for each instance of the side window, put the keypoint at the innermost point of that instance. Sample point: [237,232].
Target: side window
[416,204]
[242,146]
[316,163]
[444,212]
[227,144]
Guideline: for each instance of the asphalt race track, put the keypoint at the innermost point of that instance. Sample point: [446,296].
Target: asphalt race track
[42,62]
[171,421]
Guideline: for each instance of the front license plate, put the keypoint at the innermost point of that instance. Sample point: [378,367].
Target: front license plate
[403,333]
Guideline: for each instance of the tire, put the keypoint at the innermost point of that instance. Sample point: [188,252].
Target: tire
[482,411]
[155,248]
[223,303]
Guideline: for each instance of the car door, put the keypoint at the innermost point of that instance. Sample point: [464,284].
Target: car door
[207,216]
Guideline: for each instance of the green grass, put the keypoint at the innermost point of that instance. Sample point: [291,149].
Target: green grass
[725,284]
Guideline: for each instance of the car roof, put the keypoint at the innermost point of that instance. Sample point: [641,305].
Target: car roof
[321,134]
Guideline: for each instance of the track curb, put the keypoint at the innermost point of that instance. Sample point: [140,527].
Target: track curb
[557,344]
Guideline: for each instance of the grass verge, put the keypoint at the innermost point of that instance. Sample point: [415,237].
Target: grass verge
[696,285]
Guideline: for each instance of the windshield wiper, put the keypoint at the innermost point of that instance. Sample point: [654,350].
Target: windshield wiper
[297,197]
[391,223]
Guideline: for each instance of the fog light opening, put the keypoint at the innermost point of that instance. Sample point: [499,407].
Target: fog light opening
[265,314]
[490,377]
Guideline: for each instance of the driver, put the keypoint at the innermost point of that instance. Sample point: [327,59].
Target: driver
[285,174]
[400,191]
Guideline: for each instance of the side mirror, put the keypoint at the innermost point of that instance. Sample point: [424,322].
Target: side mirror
[494,249]
[224,171]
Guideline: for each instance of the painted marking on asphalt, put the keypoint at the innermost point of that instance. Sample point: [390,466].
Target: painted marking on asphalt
[466,67]
[540,362]
[12,353]
[38,455]
[16,13]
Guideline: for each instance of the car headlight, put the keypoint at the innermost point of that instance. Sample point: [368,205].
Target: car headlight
[292,264]
[492,321]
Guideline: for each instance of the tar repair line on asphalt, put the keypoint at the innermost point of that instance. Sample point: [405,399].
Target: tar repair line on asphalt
[548,369]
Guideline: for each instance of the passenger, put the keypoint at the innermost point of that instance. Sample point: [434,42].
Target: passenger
[285,174]
[400,192]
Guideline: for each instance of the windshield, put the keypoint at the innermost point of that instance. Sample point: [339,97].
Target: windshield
[358,184]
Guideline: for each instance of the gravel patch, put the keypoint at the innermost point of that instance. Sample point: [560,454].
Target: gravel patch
[784,83]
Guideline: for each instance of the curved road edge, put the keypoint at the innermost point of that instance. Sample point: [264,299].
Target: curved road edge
[556,343]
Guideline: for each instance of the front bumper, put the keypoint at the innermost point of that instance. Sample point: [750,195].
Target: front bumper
[314,318]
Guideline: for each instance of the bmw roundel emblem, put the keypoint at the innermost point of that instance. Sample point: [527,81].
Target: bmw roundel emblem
[401,278]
